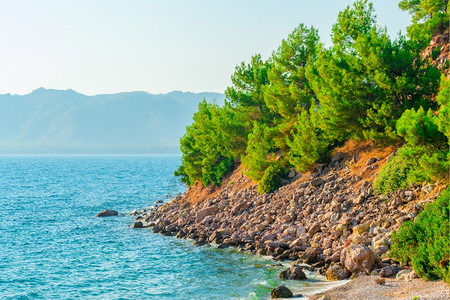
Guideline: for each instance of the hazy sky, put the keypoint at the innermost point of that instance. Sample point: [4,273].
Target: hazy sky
[108,46]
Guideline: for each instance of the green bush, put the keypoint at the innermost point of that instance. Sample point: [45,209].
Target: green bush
[393,176]
[425,242]
[309,143]
[214,173]
[271,178]
[423,157]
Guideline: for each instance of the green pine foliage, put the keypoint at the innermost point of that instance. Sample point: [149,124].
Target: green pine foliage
[309,143]
[271,179]
[428,16]
[443,99]
[393,176]
[425,154]
[261,151]
[293,109]
[425,242]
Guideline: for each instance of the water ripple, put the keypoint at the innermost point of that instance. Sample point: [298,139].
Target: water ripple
[51,246]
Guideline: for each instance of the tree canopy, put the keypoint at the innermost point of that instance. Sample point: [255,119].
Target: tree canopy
[291,110]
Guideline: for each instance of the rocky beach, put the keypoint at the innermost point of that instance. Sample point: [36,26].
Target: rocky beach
[328,218]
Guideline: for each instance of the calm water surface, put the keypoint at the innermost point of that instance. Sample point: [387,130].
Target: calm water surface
[51,246]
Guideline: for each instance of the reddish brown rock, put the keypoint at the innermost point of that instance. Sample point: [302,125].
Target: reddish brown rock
[203,213]
[358,258]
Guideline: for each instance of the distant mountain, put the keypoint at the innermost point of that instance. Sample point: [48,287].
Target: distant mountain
[66,122]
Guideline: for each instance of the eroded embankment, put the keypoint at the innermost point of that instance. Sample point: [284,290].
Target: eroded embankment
[328,218]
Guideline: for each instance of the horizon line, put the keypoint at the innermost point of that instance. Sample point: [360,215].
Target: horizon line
[112,93]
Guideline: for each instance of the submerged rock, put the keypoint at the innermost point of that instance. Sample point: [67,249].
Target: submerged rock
[281,292]
[137,224]
[107,213]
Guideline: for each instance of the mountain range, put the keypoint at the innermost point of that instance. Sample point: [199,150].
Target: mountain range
[48,121]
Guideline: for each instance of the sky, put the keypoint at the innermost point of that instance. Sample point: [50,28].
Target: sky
[110,46]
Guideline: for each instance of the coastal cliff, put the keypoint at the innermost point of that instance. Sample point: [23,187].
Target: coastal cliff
[328,217]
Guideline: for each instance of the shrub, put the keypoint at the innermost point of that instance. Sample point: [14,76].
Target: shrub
[271,178]
[393,176]
[425,242]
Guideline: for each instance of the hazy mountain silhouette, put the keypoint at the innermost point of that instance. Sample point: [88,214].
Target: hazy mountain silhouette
[56,121]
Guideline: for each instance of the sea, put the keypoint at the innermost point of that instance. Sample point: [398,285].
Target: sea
[52,246]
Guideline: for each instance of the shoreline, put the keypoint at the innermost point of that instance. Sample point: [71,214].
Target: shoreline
[365,287]
[328,218]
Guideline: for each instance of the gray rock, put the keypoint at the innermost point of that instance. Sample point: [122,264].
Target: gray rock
[294,272]
[372,160]
[317,182]
[107,213]
[138,224]
[387,271]
[281,292]
[403,274]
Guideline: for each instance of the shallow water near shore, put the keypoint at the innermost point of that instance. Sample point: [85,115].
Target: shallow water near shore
[51,246]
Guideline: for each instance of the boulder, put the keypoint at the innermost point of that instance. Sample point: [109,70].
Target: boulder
[360,229]
[389,271]
[107,213]
[317,182]
[337,272]
[358,258]
[311,255]
[381,250]
[137,224]
[371,161]
[314,229]
[281,292]
[204,212]
[357,239]
[300,242]
[406,274]
[345,220]
[294,272]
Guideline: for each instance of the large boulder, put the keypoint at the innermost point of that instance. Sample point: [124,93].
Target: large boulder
[311,255]
[137,224]
[337,272]
[107,213]
[281,292]
[294,272]
[204,212]
[358,258]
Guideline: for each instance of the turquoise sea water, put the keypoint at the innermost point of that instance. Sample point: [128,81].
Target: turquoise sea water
[51,246]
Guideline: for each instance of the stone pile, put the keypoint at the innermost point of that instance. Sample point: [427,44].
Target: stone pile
[329,219]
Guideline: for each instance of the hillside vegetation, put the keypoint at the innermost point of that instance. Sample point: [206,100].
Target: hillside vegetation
[292,110]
